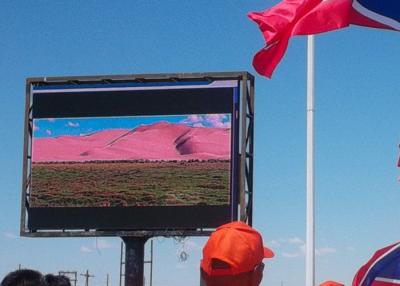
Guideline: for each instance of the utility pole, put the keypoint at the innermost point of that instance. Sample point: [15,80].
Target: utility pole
[108,279]
[150,262]
[87,276]
[72,275]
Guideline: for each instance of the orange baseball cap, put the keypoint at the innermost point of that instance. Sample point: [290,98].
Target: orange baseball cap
[331,283]
[238,246]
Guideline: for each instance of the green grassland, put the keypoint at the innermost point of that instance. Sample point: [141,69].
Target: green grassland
[130,183]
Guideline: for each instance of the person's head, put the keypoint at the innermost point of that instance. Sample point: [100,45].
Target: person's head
[250,278]
[57,280]
[233,255]
[24,277]
[331,283]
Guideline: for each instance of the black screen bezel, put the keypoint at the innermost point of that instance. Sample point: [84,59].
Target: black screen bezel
[199,100]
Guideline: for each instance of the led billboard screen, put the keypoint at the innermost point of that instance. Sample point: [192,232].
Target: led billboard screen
[132,156]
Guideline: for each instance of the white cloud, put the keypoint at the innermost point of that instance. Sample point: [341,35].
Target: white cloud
[72,124]
[85,249]
[350,248]
[198,124]
[273,243]
[296,247]
[10,235]
[35,127]
[209,120]
[216,120]
[215,117]
[301,248]
[291,254]
[51,119]
[295,240]
[194,118]
[48,131]
[221,124]
[302,251]
[324,251]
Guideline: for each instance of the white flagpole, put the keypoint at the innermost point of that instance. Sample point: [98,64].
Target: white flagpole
[310,225]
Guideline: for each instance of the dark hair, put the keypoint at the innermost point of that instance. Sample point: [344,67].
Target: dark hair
[242,279]
[57,280]
[24,277]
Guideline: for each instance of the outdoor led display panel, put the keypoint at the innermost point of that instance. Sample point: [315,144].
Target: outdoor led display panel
[132,156]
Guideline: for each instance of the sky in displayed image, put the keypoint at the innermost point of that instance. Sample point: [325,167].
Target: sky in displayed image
[357,130]
[54,127]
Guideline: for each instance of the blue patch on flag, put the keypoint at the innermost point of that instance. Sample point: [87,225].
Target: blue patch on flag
[391,270]
[386,8]
[387,266]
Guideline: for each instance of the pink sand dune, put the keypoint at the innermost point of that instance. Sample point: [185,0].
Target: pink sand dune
[160,141]
[205,140]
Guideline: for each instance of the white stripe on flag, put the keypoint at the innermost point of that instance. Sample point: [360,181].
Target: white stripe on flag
[375,16]
[393,281]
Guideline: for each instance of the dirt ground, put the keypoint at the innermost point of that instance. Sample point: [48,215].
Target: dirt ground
[130,183]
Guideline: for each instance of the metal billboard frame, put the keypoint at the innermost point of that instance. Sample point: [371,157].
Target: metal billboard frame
[246,148]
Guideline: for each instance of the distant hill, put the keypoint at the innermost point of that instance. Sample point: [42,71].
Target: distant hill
[159,141]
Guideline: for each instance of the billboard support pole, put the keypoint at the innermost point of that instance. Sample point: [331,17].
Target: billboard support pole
[134,260]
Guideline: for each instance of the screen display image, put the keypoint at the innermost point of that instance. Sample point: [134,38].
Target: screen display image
[112,155]
[131,161]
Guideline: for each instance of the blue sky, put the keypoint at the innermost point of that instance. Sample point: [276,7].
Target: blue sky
[357,127]
[54,127]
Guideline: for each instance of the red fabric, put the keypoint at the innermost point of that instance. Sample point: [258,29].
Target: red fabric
[363,270]
[276,25]
[331,15]
[331,283]
[327,16]
[301,17]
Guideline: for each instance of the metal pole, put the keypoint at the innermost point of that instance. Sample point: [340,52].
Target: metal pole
[243,145]
[121,262]
[151,265]
[134,260]
[310,225]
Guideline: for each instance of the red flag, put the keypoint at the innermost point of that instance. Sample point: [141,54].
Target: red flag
[327,16]
[331,15]
[276,25]
[307,17]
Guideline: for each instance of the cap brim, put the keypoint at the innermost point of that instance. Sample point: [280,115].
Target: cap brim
[268,253]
